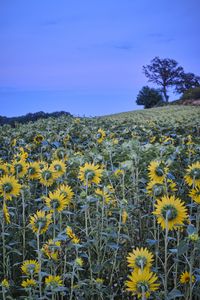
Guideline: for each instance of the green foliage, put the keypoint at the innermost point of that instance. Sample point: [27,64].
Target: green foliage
[107,227]
[193,93]
[186,82]
[149,97]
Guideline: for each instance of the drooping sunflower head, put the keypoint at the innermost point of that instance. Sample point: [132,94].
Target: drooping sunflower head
[40,221]
[58,168]
[38,139]
[124,216]
[185,277]
[142,283]
[157,190]
[195,194]
[100,135]
[79,261]
[30,267]
[29,284]
[72,236]
[89,173]
[52,249]
[56,201]
[60,154]
[9,187]
[157,171]
[53,282]
[42,164]
[5,284]
[103,195]
[192,176]
[67,192]
[19,168]
[140,258]
[33,170]
[46,176]
[171,212]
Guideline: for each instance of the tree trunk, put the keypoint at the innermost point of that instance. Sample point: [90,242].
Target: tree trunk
[165,94]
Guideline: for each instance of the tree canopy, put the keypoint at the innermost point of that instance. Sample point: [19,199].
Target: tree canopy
[149,97]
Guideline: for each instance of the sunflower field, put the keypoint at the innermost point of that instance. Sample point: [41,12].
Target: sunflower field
[101,208]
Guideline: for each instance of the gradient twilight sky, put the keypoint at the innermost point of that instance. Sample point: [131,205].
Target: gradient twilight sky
[86,56]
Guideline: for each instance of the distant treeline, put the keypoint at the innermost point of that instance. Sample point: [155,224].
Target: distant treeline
[31,117]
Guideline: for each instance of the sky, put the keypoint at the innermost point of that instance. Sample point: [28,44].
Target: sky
[86,56]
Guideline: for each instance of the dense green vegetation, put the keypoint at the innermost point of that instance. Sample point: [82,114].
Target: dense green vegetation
[101,208]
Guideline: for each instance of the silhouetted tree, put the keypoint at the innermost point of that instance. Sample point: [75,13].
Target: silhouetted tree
[187,81]
[149,97]
[163,72]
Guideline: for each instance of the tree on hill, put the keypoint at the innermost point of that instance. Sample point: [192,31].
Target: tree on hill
[163,72]
[186,82]
[149,97]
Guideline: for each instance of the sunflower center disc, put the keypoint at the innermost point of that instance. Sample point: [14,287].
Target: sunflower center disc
[142,287]
[141,261]
[170,212]
[159,171]
[7,188]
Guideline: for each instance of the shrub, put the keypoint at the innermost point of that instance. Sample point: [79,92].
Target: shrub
[191,94]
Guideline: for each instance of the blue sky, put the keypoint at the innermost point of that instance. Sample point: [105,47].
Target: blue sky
[86,57]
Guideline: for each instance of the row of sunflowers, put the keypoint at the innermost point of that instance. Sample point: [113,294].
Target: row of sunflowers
[101,208]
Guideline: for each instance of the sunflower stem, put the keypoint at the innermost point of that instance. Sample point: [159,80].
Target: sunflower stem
[166,252]
[3,240]
[39,261]
[24,226]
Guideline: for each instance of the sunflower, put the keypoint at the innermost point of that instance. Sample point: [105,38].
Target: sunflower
[30,267]
[119,172]
[60,154]
[140,258]
[38,139]
[3,169]
[53,282]
[19,168]
[56,201]
[157,171]
[193,175]
[124,216]
[195,194]
[157,190]
[185,277]
[46,176]
[9,187]
[29,283]
[104,195]
[72,236]
[142,283]
[52,249]
[42,164]
[58,168]
[79,261]
[170,211]
[40,221]
[100,135]
[33,170]
[5,284]
[6,214]
[89,173]
[67,192]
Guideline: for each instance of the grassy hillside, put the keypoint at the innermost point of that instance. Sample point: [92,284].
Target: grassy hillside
[101,208]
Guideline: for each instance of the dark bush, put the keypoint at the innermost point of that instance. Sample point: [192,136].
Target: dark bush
[191,94]
[31,117]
